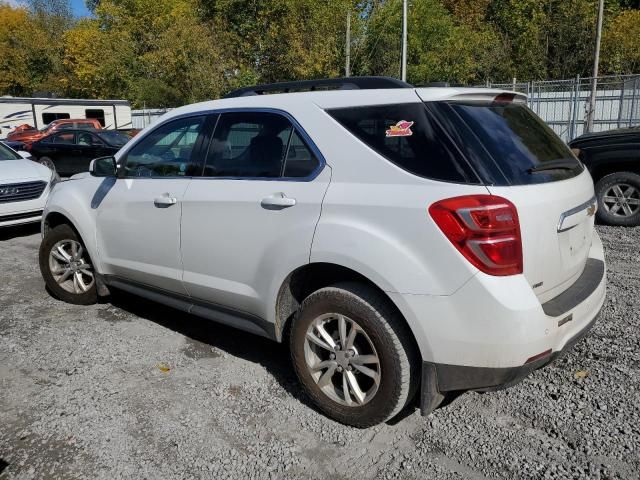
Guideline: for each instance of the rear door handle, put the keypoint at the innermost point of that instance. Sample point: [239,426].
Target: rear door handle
[277,201]
[165,201]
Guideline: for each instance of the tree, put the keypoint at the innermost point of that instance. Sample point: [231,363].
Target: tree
[28,58]
[621,43]
[98,62]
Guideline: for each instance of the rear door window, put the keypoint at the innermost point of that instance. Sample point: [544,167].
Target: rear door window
[248,145]
[507,142]
[407,136]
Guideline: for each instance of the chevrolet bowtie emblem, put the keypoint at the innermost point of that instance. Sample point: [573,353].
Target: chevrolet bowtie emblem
[591,210]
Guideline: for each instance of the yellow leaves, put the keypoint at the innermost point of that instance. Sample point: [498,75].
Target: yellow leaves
[621,43]
[163,367]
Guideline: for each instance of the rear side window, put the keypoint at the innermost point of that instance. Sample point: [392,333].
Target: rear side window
[508,142]
[300,161]
[406,135]
[249,145]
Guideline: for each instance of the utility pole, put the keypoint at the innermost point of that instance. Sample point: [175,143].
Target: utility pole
[404,41]
[596,60]
[347,53]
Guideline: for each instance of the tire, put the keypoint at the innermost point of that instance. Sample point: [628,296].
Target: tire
[619,199]
[47,162]
[71,279]
[383,332]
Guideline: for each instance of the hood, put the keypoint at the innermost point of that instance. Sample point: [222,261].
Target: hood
[609,134]
[22,169]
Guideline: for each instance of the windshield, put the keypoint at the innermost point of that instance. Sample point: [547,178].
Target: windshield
[114,138]
[508,143]
[7,154]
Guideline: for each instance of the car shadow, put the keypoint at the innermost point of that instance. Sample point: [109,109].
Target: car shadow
[26,230]
[273,356]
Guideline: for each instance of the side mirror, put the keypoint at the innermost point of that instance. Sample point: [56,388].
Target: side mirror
[103,167]
[24,154]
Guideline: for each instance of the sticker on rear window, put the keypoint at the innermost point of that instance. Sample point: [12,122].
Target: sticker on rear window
[400,129]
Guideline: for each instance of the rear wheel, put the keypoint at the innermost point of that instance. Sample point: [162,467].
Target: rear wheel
[47,162]
[619,199]
[66,267]
[353,355]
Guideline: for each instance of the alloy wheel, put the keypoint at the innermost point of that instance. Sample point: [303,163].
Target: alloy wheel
[69,268]
[342,360]
[621,200]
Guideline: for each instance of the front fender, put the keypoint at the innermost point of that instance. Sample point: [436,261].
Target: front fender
[76,201]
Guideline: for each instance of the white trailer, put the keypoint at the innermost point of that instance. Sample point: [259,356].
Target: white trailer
[39,112]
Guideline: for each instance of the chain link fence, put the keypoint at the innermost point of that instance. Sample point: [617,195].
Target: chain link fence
[564,104]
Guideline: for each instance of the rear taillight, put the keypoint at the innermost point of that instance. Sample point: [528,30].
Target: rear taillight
[485,229]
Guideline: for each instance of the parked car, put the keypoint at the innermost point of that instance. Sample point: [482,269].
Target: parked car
[28,136]
[24,186]
[70,151]
[613,158]
[17,146]
[401,239]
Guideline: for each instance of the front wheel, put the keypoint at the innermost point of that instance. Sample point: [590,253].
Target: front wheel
[619,199]
[354,355]
[66,267]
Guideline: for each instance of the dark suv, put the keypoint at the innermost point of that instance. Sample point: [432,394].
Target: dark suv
[613,158]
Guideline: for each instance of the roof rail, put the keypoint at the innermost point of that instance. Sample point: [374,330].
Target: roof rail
[344,83]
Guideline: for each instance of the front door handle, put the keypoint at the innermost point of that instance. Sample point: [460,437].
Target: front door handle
[165,201]
[277,201]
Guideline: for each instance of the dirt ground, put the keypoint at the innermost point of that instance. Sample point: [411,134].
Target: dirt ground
[130,389]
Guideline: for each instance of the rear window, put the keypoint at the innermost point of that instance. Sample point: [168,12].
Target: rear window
[506,141]
[407,135]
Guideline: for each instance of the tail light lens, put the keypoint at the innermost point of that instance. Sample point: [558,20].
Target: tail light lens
[485,229]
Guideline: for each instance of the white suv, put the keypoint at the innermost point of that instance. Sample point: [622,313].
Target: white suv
[400,239]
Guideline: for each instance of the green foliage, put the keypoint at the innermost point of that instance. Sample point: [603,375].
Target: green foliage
[621,43]
[163,53]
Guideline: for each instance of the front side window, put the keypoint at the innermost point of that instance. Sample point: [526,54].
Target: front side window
[167,151]
[248,144]
[405,135]
[89,140]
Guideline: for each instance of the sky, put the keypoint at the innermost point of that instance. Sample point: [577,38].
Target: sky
[78,7]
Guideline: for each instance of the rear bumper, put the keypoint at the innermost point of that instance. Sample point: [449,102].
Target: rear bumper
[452,378]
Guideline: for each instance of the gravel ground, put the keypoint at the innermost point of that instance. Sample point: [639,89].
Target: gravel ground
[129,389]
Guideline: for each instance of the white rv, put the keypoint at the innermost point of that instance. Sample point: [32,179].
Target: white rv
[39,112]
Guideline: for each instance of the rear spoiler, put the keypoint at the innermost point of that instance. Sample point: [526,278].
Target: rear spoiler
[471,95]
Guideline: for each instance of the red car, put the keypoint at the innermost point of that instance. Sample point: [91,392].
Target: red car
[27,134]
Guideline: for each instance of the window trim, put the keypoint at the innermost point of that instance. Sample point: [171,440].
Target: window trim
[296,125]
[207,136]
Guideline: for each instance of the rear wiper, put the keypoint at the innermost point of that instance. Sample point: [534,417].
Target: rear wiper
[561,164]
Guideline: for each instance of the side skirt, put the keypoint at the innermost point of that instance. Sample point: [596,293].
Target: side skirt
[226,316]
